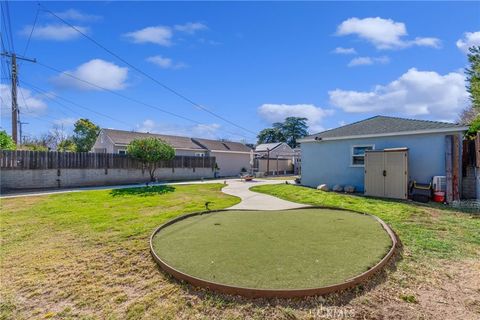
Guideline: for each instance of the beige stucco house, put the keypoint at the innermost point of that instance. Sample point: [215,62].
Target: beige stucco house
[231,157]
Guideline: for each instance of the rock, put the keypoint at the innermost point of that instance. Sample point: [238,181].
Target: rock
[349,189]
[337,188]
[322,187]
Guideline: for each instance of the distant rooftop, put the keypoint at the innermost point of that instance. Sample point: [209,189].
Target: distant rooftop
[219,145]
[264,146]
[122,137]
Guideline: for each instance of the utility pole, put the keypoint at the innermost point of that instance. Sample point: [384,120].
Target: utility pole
[20,131]
[15,110]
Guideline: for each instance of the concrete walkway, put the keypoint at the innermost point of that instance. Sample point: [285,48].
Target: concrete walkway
[257,201]
[235,187]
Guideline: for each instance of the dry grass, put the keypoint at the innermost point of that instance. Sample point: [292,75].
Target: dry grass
[85,255]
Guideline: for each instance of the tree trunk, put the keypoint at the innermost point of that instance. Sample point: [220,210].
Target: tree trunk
[151,170]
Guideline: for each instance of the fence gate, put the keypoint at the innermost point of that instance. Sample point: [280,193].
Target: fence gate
[386,173]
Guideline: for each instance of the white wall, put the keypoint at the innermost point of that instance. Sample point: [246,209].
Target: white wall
[231,164]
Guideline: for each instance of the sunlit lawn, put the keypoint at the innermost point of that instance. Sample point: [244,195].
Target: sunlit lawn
[86,254]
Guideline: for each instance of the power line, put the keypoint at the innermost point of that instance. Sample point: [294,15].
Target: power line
[31,32]
[175,92]
[6,9]
[48,96]
[129,98]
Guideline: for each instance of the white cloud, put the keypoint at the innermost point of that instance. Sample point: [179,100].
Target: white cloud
[414,93]
[73,14]
[425,42]
[161,35]
[147,126]
[99,72]
[208,131]
[278,112]
[469,39]
[340,50]
[65,122]
[190,27]
[383,33]
[54,32]
[28,103]
[365,61]
[165,63]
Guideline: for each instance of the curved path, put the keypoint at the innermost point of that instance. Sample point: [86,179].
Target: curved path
[257,201]
[235,187]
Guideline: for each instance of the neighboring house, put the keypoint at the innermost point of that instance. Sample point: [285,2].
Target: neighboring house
[274,158]
[337,156]
[273,150]
[116,141]
[231,157]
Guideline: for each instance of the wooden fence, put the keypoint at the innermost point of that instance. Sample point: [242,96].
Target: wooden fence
[31,160]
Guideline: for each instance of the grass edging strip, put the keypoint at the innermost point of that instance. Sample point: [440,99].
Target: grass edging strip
[273,293]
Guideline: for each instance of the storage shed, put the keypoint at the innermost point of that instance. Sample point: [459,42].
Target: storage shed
[338,156]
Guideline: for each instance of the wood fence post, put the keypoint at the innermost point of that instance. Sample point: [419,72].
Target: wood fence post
[448,167]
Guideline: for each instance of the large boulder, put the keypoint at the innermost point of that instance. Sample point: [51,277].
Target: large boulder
[322,187]
[337,188]
[349,189]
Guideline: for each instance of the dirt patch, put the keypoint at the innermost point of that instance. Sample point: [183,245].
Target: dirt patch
[442,290]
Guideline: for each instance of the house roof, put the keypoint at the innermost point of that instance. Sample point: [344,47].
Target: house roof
[125,137]
[264,146]
[216,145]
[384,126]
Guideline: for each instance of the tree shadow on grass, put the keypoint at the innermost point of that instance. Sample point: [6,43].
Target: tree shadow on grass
[142,191]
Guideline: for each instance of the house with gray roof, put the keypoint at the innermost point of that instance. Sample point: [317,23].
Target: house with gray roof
[231,157]
[337,156]
[273,150]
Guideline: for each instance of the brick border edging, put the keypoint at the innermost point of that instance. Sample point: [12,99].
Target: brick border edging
[274,293]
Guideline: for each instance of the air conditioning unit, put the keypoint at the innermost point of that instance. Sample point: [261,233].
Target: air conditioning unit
[439,183]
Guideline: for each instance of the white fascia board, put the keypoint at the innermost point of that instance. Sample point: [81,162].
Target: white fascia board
[229,151]
[186,149]
[390,134]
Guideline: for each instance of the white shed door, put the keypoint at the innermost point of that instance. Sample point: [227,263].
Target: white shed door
[374,180]
[396,175]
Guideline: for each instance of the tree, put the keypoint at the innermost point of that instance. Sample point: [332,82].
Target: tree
[270,135]
[467,115]
[294,128]
[471,115]
[67,145]
[473,76]
[85,134]
[34,144]
[6,142]
[473,129]
[150,151]
[289,131]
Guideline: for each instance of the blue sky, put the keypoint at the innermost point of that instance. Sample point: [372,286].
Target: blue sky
[251,63]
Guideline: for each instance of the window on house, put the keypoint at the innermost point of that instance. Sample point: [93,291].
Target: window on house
[199,154]
[358,154]
[122,151]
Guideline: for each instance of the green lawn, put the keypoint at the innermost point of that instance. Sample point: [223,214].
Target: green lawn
[425,231]
[85,254]
[294,249]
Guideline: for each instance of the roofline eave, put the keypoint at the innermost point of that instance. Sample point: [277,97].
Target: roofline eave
[389,134]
